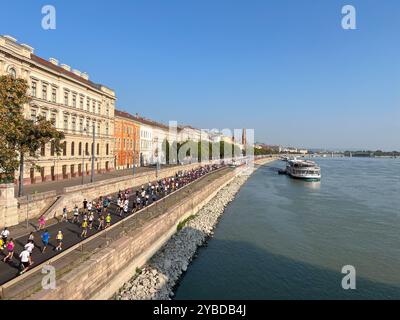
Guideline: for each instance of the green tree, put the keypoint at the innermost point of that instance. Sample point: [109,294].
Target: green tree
[20,136]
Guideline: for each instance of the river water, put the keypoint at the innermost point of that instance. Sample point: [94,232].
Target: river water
[288,239]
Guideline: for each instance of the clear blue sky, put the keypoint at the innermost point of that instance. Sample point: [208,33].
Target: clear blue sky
[283,67]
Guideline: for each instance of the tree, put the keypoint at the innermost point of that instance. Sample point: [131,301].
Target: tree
[20,136]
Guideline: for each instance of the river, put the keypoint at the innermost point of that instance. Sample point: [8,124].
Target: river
[289,239]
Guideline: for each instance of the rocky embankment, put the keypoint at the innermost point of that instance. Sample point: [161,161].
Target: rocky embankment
[159,276]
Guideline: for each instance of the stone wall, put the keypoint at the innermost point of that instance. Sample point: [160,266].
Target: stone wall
[32,206]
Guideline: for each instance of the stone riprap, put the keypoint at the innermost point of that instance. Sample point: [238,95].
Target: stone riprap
[159,276]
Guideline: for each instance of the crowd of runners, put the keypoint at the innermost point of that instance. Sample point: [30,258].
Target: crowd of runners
[96,215]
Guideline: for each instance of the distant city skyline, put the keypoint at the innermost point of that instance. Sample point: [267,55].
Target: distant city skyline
[284,68]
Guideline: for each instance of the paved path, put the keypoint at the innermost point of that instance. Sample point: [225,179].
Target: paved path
[71,233]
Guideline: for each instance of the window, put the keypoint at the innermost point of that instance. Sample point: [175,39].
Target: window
[54,95]
[66,98]
[33,115]
[99,108]
[88,104]
[72,148]
[65,121]
[81,102]
[43,150]
[94,106]
[33,89]
[107,109]
[74,100]
[80,148]
[81,124]
[52,148]
[44,92]
[12,72]
[107,149]
[98,129]
[65,148]
[73,123]
[44,114]
[107,129]
[98,149]
[87,126]
[53,119]
[87,148]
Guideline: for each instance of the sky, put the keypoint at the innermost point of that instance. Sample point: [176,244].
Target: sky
[285,68]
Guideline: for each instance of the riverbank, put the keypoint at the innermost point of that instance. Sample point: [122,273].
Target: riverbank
[158,278]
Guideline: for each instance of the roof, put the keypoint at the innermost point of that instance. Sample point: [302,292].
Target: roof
[139,119]
[63,71]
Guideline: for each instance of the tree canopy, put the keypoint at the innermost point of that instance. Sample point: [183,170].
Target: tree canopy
[18,135]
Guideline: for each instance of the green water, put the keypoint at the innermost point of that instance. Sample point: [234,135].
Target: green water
[288,239]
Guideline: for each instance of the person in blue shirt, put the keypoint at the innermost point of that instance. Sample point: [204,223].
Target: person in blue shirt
[45,240]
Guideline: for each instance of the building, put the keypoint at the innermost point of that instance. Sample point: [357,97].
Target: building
[153,140]
[127,140]
[75,105]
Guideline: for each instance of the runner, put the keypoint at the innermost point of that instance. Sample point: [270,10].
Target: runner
[90,206]
[5,234]
[98,207]
[45,240]
[10,250]
[108,220]
[120,204]
[85,205]
[42,222]
[125,207]
[29,246]
[26,261]
[64,215]
[105,204]
[31,237]
[75,219]
[60,238]
[91,219]
[101,222]
[84,229]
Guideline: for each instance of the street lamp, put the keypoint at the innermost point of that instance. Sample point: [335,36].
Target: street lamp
[134,152]
[93,148]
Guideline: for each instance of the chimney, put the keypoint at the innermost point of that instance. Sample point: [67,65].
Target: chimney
[77,72]
[85,76]
[66,67]
[54,61]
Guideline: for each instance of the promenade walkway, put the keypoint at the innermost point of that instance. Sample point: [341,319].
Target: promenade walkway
[73,231]
[59,185]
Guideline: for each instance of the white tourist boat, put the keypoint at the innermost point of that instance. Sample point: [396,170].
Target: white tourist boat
[303,169]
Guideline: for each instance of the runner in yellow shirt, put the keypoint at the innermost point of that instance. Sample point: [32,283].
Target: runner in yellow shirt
[84,228]
[108,220]
[59,238]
